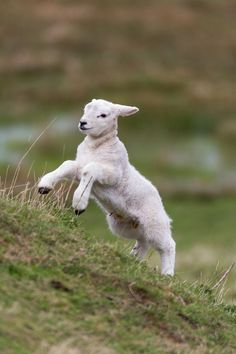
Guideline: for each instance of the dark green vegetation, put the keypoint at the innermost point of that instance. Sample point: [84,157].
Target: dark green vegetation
[64,291]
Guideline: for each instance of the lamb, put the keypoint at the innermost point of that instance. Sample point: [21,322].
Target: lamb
[132,205]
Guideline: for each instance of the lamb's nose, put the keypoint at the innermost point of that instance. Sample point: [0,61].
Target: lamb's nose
[82,124]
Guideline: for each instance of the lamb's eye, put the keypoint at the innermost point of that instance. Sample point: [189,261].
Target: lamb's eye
[103,115]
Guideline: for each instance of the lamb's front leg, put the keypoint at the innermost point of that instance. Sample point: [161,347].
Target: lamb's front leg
[91,173]
[67,170]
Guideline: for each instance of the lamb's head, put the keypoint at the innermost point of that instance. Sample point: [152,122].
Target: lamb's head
[100,117]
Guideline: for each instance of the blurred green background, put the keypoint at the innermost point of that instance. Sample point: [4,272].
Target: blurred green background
[176,61]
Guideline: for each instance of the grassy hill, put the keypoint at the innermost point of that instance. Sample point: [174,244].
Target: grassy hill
[63,291]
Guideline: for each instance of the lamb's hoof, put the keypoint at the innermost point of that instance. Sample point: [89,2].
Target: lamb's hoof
[168,274]
[44,190]
[78,212]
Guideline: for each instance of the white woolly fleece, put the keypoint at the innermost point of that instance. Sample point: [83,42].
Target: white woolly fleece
[132,205]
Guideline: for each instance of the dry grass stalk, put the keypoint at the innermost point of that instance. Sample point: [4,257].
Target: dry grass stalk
[223,278]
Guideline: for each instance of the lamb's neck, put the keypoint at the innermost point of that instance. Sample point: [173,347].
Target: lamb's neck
[107,139]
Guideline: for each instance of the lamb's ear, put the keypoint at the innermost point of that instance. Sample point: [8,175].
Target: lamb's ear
[126,110]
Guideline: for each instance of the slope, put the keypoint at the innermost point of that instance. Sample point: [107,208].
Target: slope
[62,291]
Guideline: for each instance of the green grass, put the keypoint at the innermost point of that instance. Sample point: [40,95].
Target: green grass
[63,289]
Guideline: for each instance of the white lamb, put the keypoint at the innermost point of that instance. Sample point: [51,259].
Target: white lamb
[131,203]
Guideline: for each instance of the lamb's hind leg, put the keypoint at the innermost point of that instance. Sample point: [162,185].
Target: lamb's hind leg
[167,254]
[165,245]
[128,230]
[140,249]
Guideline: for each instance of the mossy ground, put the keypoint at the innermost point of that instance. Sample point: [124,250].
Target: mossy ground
[63,291]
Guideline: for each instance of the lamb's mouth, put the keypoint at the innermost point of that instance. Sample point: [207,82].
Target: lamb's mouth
[83,128]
